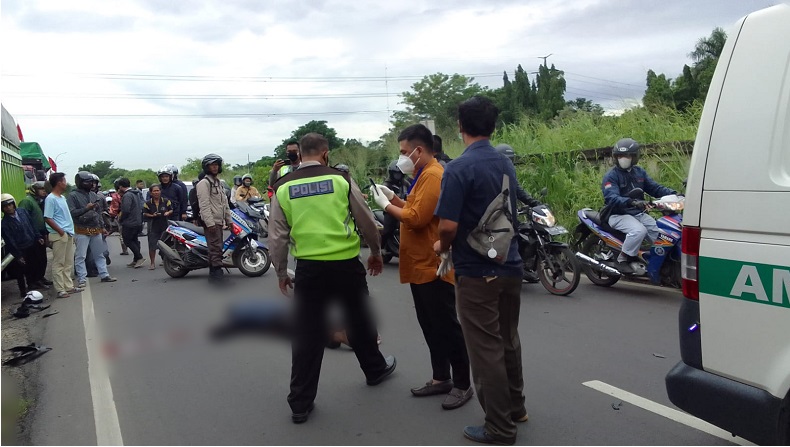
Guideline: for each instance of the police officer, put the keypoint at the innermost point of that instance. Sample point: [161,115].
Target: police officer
[317,208]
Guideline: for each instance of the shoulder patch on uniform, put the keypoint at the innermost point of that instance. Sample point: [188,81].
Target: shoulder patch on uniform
[311,189]
[607,185]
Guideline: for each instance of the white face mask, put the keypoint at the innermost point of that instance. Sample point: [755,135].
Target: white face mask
[405,164]
[624,162]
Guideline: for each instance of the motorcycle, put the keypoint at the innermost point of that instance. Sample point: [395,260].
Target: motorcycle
[256,213]
[184,248]
[555,262]
[598,245]
[389,228]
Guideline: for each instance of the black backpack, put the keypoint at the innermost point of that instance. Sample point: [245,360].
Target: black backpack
[192,198]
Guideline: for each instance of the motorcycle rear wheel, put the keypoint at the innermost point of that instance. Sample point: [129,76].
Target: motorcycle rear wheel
[559,272]
[173,269]
[592,245]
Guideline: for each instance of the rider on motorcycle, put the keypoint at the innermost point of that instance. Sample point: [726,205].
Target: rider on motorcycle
[523,197]
[246,190]
[630,215]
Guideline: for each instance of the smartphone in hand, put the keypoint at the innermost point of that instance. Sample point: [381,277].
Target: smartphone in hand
[287,162]
[373,184]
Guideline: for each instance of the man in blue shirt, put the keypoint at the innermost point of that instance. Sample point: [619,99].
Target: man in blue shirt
[488,293]
[61,234]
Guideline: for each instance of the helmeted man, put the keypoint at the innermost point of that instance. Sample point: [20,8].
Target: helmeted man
[315,211]
[246,190]
[85,207]
[629,215]
[21,239]
[214,212]
[33,203]
[171,190]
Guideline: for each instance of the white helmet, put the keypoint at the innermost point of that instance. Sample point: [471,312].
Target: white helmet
[34,297]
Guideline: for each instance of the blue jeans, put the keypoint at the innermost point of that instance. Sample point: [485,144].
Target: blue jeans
[635,229]
[97,252]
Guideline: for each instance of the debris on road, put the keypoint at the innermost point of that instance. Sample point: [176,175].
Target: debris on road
[617,406]
[25,354]
[661,356]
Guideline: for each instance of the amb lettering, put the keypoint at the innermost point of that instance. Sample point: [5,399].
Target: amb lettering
[311,189]
[749,286]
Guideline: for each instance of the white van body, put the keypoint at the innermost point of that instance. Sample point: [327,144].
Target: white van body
[735,331]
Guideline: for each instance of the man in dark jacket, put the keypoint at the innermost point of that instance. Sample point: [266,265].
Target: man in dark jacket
[84,206]
[33,204]
[21,239]
[629,215]
[131,219]
[173,192]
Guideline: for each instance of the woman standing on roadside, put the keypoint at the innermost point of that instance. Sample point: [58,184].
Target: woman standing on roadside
[159,210]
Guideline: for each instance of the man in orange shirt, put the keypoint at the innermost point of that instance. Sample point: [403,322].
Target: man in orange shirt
[434,297]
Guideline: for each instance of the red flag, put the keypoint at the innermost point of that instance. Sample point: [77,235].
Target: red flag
[19,131]
[52,164]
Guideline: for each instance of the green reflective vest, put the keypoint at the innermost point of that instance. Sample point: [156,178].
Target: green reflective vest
[315,202]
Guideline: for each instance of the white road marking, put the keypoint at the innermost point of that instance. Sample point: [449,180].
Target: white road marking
[105,416]
[661,410]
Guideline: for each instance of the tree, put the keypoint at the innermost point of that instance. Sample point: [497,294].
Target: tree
[436,97]
[550,91]
[658,92]
[685,89]
[100,168]
[313,126]
[585,105]
[705,56]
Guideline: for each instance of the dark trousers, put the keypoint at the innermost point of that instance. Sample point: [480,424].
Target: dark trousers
[489,313]
[26,274]
[316,285]
[214,242]
[435,306]
[40,260]
[129,234]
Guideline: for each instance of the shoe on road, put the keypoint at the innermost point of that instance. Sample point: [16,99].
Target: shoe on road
[431,389]
[520,418]
[457,397]
[124,253]
[109,279]
[46,281]
[391,363]
[131,264]
[300,418]
[139,263]
[478,434]
[63,295]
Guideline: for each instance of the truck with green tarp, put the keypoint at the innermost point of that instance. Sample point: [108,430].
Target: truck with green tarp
[34,162]
[13,175]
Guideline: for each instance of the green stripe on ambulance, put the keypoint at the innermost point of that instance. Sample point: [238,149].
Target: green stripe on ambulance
[747,281]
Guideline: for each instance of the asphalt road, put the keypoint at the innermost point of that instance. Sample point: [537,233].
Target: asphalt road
[152,366]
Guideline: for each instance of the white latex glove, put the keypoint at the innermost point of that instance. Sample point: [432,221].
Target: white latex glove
[381,200]
[388,193]
[446,265]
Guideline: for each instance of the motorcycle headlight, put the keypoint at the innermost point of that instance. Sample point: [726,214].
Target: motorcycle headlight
[547,219]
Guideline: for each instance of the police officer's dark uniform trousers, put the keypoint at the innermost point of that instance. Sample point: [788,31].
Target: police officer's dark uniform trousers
[315,201]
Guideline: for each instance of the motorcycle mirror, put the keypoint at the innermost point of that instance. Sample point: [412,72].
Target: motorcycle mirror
[636,193]
[543,192]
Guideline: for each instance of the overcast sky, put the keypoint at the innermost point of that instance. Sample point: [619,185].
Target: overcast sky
[158,81]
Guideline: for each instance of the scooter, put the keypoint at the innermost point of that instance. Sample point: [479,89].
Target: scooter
[184,248]
[389,228]
[598,245]
[256,213]
[556,264]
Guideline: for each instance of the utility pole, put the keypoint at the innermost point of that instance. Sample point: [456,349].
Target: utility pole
[544,58]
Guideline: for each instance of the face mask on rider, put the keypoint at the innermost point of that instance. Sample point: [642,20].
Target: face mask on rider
[405,164]
[624,162]
[293,156]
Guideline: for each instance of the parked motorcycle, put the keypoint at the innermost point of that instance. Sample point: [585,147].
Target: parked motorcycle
[256,212]
[598,245]
[389,228]
[555,263]
[184,248]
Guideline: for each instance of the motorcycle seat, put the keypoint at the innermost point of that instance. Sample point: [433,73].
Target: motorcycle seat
[595,216]
[189,226]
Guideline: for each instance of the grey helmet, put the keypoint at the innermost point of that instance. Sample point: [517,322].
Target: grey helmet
[245,177]
[82,178]
[172,168]
[506,150]
[627,146]
[209,160]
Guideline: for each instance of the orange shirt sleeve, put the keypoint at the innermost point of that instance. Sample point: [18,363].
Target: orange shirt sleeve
[421,203]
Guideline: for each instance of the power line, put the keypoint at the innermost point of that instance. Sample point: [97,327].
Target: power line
[195,96]
[201,115]
[604,80]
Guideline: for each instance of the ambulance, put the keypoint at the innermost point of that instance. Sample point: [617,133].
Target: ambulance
[735,319]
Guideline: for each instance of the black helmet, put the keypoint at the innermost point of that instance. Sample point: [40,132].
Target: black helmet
[626,146]
[506,150]
[237,180]
[210,159]
[395,174]
[247,176]
[82,178]
[342,167]
[35,187]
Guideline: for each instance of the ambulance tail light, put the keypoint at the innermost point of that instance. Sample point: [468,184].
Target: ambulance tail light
[689,261]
